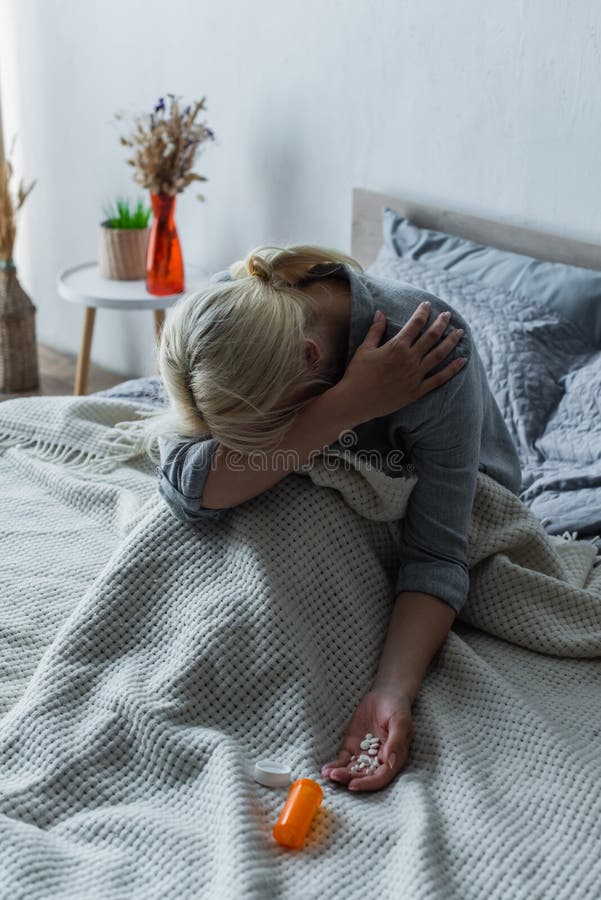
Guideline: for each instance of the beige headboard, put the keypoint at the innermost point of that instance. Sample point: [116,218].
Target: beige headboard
[366,238]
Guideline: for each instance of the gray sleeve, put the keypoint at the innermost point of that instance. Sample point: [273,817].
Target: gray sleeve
[185,465]
[182,474]
[445,452]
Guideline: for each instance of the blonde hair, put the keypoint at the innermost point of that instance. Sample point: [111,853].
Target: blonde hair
[231,350]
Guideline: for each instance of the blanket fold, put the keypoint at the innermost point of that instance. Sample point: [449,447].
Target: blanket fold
[93,434]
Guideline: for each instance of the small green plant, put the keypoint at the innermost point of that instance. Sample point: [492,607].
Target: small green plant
[121,215]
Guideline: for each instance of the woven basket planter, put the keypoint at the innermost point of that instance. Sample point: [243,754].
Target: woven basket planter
[122,252]
[18,345]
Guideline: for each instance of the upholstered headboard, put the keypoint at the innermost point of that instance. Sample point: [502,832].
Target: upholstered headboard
[366,237]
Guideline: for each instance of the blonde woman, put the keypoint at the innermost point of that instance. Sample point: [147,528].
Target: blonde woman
[288,349]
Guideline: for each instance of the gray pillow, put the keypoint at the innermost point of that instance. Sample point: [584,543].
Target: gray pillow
[573,431]
[571,291]
[525,350]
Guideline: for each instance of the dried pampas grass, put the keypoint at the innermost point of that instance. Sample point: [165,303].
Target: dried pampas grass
[9,206]
[165,144]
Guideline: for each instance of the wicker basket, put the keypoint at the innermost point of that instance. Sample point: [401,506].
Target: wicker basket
[122,252]
[18,346]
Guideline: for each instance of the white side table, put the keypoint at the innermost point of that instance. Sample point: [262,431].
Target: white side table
[85,285]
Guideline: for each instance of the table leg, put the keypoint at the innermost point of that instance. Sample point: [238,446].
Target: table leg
[159,321]
[83,360]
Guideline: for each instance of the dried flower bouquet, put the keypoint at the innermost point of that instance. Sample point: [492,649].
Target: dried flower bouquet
[165,145]
[9,206]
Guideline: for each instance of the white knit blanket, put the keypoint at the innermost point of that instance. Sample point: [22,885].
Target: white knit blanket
[147,663]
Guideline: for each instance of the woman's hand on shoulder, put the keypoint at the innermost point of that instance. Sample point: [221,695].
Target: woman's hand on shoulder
[381,380]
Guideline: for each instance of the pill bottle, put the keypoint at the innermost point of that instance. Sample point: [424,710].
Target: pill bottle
[295,819]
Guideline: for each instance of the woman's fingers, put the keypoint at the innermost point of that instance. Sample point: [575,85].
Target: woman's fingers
[434,381]
[400,732]
[432,334]
[429,349]
[412,326]
[375,331]
[338,770]
[341,775]
[341,760]
[438,353]
[382,776]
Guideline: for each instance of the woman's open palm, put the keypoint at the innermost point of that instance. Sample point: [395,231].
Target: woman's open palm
[387,715]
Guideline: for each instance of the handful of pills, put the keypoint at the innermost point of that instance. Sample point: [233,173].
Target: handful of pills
[366,762]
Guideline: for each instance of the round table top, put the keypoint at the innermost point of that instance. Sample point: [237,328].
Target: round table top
[84,284]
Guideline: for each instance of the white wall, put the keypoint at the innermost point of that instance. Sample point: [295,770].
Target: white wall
[493,108]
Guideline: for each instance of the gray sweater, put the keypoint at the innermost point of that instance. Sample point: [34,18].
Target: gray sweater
[444,438]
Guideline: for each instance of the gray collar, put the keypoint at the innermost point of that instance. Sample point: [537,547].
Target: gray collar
[362,311]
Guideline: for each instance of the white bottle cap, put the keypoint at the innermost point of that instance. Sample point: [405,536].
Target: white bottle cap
[272,773]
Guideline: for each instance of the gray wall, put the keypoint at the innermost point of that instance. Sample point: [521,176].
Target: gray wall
[493,108]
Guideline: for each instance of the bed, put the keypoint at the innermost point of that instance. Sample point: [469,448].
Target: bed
[147,663]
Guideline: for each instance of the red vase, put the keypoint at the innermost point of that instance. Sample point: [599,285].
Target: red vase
[164,264]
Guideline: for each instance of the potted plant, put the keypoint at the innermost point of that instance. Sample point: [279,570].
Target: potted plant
[165,144]
[123,241]
[18,346]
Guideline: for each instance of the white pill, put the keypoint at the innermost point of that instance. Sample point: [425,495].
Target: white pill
[372,751]
[365,745]
[369,735]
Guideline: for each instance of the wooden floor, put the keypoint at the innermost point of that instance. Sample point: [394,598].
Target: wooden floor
[57,375]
